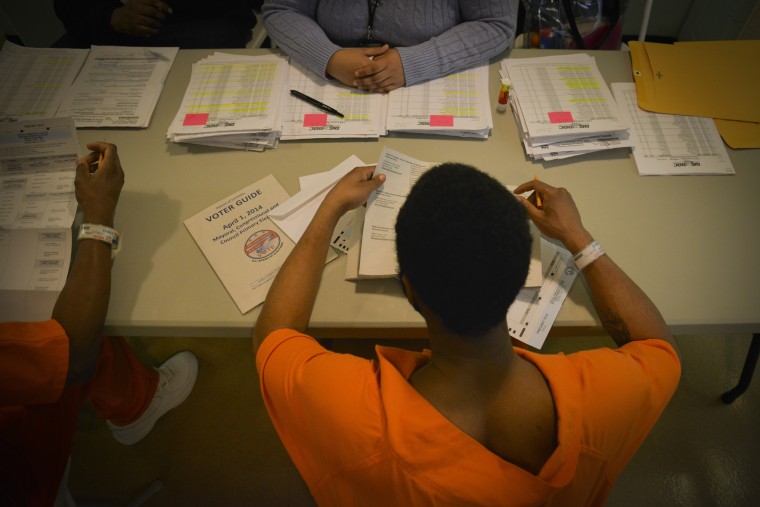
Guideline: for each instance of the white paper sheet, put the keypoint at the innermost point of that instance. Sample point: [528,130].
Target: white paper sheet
[669,144]
[118,86]
[576,147]
[295,214]
[378,247]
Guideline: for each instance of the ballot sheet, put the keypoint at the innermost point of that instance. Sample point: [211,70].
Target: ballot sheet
[37,208]
[37,169]
[34,259]
[534,311]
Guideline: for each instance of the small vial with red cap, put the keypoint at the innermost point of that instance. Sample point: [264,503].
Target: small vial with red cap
[501,104]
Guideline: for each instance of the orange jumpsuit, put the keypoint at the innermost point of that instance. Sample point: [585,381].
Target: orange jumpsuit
[360,434]
[38,412]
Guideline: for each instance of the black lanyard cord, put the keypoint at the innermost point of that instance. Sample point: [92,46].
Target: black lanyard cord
[372,7]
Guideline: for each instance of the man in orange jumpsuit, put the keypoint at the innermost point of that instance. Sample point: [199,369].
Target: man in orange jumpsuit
[48,369]
[472,421]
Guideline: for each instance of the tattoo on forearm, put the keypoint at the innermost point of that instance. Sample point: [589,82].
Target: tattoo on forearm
[615,325]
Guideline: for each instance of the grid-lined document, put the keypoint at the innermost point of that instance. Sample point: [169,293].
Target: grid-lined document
[363,112]
[457,105]
[668,144]
[562,98]
[231,95]
[33,81]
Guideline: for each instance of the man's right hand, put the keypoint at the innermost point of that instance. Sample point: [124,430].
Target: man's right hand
[558,217]
[140,18]
[97,186]
[625,311]
[345,62]
[353,189]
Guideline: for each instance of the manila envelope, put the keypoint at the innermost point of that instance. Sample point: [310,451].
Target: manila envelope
[714,79]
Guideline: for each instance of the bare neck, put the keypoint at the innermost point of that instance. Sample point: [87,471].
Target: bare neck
[490,393]
[455,357]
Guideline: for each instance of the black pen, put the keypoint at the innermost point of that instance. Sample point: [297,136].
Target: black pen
[315,103]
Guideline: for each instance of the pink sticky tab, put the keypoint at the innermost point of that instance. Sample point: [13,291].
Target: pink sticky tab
[314,120]
[441,120]
[561,117]
[195,119]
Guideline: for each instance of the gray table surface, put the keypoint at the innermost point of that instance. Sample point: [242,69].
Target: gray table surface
[691,242]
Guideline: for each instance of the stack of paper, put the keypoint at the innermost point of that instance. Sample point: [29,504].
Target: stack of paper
[116,87]
[453,105]
[363,112]
[232,101]
[563,106]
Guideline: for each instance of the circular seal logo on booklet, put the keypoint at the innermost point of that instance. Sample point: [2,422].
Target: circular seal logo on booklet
[262,245]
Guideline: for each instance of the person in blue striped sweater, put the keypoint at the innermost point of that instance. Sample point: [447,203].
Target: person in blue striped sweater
[381,45]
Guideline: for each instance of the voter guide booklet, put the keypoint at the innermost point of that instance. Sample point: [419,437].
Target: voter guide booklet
[244,247]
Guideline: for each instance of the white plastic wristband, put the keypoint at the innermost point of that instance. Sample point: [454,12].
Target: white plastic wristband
[589,254]
[101,233]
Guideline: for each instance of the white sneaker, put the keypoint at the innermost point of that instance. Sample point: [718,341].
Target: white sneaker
[176,379]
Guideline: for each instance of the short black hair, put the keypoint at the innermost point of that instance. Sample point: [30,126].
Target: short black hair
[462,240]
